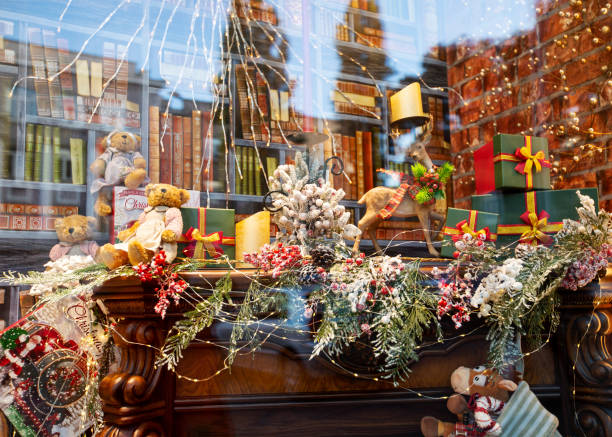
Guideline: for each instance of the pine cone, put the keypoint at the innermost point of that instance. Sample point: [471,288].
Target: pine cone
[323,256]
[309,274]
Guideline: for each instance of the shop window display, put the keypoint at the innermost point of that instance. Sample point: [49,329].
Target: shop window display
[390,188]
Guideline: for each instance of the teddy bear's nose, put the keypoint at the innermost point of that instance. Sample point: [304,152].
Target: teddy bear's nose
[71,230]
[163,190]
[123,136]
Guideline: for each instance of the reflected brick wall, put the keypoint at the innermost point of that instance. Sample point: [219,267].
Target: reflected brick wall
[554,80]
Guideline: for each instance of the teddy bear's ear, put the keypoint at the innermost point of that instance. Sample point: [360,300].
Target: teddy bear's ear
[137,138]
[59,222]
[148,189]
[184,196]
[91,221]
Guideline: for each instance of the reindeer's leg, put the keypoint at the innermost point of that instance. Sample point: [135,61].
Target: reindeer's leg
[364,224]
[437,216]
[372,234]
[423,216]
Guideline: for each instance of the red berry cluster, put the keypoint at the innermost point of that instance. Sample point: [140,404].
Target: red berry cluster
[430,180]
[169,285]
[276,259]
[584,271]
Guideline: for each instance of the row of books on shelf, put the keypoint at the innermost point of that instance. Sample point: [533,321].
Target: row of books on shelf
[356,99]
[90,90]
[22,217]
[361,155]
[273,117]
[52,155]
[183,150]
[249,178]
[256,10]
[287,13]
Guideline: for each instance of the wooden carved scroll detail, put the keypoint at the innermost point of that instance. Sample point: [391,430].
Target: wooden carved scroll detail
[131,406]
[592,359]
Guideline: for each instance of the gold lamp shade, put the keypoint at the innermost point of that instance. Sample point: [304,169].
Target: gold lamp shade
[407,108]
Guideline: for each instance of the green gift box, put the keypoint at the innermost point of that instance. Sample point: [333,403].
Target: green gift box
[208,233]
[511,162]
[466,221]
[531,217]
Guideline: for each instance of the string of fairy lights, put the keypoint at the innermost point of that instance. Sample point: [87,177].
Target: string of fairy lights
[227,28]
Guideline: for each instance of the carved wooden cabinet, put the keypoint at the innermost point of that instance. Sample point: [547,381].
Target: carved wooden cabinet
[278,391]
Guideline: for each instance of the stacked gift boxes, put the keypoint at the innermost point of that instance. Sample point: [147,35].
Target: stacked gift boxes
[513,181]
[22,217]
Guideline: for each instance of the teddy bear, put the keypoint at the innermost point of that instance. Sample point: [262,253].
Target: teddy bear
[489,407]
[120,164]
[159,226]
[74,235]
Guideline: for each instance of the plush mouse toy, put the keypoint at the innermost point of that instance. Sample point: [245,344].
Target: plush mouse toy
[120,164]
[490,407]
[159,226]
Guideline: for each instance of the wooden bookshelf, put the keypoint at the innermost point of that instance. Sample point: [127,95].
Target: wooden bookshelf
[307,63]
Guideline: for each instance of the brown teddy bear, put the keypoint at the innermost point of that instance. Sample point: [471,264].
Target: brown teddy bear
[74,234]
[159,226]
[120,164]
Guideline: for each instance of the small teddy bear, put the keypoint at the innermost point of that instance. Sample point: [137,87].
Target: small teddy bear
[74,235]
[120,164]
[159,226]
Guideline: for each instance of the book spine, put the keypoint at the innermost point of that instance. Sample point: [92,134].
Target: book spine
[154,162]
[337,149]
[121,84]
[360,169]
[187,168]
[251,170]
[271,164]
[52,64]
[244,107]
[66,79]
[196,149]
[244,165]
[353,161]
[76,161]
[41,85]
[82,81]
[5,127]
[262,102]
[377,161]
[368,175]
[256,120]
[29,152]
[38,153]
[107,112]
[177,151]
[57,155]
[348,166]
[165,151]
[237,169]
[207,151]
[47,166]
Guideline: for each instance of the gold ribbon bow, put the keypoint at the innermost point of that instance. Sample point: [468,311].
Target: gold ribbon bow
[538,226]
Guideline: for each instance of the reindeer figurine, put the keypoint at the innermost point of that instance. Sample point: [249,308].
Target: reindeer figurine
[377,198]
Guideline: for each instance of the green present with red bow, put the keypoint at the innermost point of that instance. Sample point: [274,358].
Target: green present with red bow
[477,224]
[512,162]
[533,217]
[208,234]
